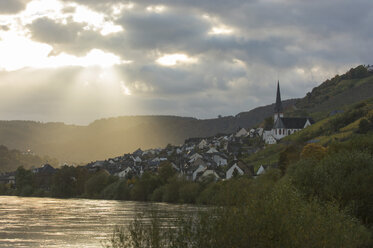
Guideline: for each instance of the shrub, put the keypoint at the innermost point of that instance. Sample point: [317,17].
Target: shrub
[344,178]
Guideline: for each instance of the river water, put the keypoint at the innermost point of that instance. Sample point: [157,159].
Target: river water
[48,222]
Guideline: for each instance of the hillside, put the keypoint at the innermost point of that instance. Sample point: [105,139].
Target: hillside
[354,123]
[336,93]
[10,160]
[114,136]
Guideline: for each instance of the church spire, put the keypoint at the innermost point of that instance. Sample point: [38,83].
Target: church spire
[278,106]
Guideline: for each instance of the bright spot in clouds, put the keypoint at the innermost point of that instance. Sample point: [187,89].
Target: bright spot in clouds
[174,59]
[156,9]
[220,30]
[124,89]
[18,52]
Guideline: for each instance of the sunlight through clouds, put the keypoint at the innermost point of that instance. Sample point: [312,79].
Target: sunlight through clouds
[126,91]
[35,55]
[175,59]
[156,8]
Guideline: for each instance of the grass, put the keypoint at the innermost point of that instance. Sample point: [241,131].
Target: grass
[269,155]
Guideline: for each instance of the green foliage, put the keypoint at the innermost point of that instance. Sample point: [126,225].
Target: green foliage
[268,123]
[69,182]
[342,177]
[288,156]
[117,190]
[268,217]
[96,183]
[24,181]
[166,171]
[313,151]
[188,192]
[145,186]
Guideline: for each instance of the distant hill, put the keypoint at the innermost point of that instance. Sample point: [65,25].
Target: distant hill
[10,160]
[336,93]
[114,136]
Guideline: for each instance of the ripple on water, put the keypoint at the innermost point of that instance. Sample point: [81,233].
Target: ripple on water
[48,222]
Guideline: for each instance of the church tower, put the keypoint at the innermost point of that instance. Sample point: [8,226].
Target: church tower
[278,106]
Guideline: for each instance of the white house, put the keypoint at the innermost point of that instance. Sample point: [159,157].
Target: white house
[194,157]
[198,170]
[124,172]
[241,133]
[261,170]
[230,171]
[212,150]
[208,173]
[219,160]
[203,144]
[137,160]
[270,140]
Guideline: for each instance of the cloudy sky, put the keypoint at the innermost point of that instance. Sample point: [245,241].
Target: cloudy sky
[80,60]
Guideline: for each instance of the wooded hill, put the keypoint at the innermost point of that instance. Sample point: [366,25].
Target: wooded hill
[114,136]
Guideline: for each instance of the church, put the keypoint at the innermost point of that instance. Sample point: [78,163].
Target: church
[283,126]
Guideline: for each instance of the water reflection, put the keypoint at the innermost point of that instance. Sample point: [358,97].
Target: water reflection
[47,222]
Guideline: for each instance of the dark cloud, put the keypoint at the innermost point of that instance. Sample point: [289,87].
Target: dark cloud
[12,6]
[48,31]
[4,27]
[300,42]
[70,37]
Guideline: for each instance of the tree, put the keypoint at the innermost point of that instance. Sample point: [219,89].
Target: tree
[365,126]
[166,171]
[313,151]
[96,183]
[24,181]
[268,123]
[288,156]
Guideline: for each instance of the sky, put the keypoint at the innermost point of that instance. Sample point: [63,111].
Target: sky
[75,61]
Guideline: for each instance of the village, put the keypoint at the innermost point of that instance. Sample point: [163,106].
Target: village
[198,158]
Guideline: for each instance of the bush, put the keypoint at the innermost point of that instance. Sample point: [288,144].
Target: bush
[188,193]
[344,178]
[96,184]
[313,151]
[278,218]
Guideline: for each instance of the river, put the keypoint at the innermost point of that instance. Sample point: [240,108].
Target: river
[49,222]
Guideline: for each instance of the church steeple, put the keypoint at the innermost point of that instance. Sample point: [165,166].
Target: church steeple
[278,106]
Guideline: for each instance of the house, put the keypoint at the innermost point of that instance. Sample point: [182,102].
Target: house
[46,169]
[208,173]
[270,140]
[284,126]
[194,157]
[261,170]
[212,150]
[138,153]
[201,168]
[241,133]
[124,172]
[219,159]
[137,160]
[8,178]
[370,68]
[203,144]
[240,168]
